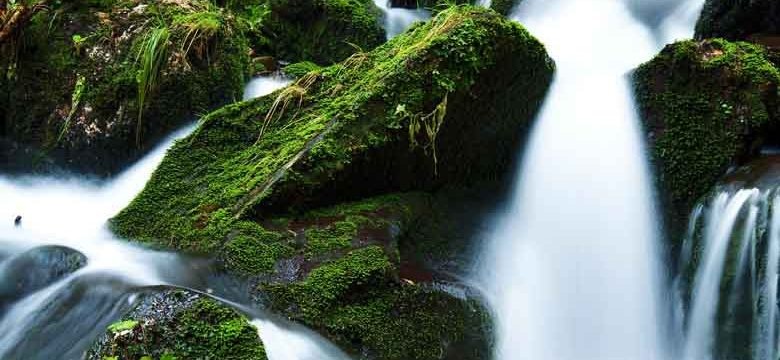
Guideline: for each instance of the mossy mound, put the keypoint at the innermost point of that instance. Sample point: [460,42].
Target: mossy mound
[74,90]
[176,324]
[446,103]
[323,31]
[312,191]
[706,106]
[738,19]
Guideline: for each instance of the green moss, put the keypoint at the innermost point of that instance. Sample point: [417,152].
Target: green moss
[205,67]
[301,68]
[323,31]
[332,283]
[202,330]
[257,158]
[337,236]
[703,105]
[355,300]
[255,251]
[122,326]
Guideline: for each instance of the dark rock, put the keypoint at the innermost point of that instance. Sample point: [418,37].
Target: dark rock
[738,19]
[705,106]
[35,269]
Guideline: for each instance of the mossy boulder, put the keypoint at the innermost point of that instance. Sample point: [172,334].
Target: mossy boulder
[322,31]
[312,192]
[72,92]
[177,324]
[705,106]
[738,19]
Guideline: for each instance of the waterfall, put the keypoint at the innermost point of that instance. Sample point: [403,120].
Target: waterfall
[571,270]
[397,20]
[735,276]
[60,320]
[720,226]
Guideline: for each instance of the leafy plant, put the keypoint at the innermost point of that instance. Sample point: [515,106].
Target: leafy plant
[200,26]
[78,42]
[75,101]
[152,56]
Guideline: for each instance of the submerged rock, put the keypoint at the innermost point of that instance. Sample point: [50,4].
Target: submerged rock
[35,269]
[706,106]
[310,190]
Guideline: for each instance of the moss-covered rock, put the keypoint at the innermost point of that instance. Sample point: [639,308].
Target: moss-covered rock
[706,106]
[81,90]
[738,19]
[310,191]
[323,31]
[444,104]
[176,324]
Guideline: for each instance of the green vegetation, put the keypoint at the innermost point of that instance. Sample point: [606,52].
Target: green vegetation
[705,106]
[122,326]
[204,329]
[503,6]
[328,174]
[152,56]
[322,31]
[300,69]
[159,61]
[278,153]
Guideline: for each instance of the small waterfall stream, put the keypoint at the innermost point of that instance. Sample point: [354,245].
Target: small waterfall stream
[60,319]
[572,270]
[727,281]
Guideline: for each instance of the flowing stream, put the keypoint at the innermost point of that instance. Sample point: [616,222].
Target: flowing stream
[64,277]
[572,269]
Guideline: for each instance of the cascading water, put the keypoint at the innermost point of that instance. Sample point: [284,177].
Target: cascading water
[63,221]
[571,271]
[728,274]
[397,20]
[264,85]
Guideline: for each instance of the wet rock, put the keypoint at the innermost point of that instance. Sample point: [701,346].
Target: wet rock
[312,200]
[181,324]
[706,106]
[35,269]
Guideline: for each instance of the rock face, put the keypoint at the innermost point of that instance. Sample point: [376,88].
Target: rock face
[738,19]
[323,31]
[35,269]
[177,324]
[706,106]
[313,191]
[73,92]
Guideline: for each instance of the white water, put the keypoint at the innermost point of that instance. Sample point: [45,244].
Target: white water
[264,85]
[72,211]
[397,20]
[572,269]
[740,222]
[701,322]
